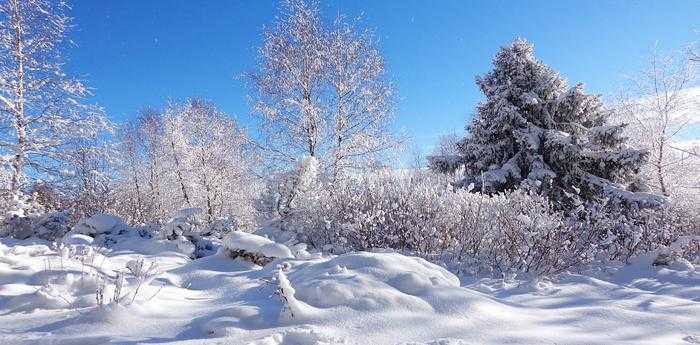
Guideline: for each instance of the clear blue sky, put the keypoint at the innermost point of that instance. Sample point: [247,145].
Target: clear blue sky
[136,53]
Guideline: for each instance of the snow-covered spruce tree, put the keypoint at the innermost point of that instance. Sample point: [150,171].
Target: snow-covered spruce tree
[41,108]
[533,131]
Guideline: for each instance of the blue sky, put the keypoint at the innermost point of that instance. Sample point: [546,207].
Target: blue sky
[136,53]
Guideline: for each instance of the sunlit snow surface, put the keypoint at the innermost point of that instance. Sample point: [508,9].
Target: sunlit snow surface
[362,298]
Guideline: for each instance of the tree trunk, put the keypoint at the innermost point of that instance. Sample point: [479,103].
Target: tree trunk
[20,151]
[660,171]
[180,179]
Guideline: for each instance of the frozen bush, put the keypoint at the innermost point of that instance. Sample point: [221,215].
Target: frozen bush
[100,224]
[52,226]
[421,213]
[16,214]
[196,235]
[510,232]
[621,233]
[23,217]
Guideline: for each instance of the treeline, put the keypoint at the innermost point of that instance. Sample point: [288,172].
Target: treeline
[546,177]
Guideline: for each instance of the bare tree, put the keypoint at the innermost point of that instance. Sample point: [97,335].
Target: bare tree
[189,155]
[321,91]
[41,108]
[289,83]
[659,106]
[446,157]
[362,97]
[694,53]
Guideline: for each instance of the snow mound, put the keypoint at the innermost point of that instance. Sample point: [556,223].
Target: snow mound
[371,281]
[251,243]
[100,224]
[78,239]
[299,336]
[48,295]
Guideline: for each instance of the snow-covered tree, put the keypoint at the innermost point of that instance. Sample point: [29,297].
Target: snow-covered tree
[42,110]
[660,106]
[446,157]
[190,155]
[174,150]
[533,131]
[132,187]
[86,190]
[321,91]
[362,98]
[220,162]
[289,83]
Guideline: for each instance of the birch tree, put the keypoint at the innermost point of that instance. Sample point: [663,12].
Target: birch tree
[189,155]
[321,91]
[132,187]
[362,98]
[220,162]
[290,83]
[659,106]
[42,110]
[173,141]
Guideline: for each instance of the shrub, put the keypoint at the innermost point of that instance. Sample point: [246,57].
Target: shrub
[421,213]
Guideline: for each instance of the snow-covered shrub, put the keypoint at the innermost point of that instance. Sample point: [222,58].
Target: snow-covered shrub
[51,226]
[195,235]
[256,249]
[16,227]
[100,224]
[422,213]
[184,222]
[621,233]
[23,217]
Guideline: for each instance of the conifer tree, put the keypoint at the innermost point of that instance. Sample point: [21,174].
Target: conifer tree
[534,132]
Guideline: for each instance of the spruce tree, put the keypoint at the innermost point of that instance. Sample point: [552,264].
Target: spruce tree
[534,132]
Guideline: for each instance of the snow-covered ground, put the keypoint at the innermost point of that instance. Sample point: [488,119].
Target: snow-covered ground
[48,296]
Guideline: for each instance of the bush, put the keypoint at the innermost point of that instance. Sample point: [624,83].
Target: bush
[621,233]
[23,217]
[422,214]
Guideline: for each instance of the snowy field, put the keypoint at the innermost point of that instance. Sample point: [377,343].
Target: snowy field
[48,295]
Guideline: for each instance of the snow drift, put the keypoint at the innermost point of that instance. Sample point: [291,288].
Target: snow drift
[48,295]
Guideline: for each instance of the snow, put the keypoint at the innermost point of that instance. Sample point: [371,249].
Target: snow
[99,224]
[252,243]
[47,296]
